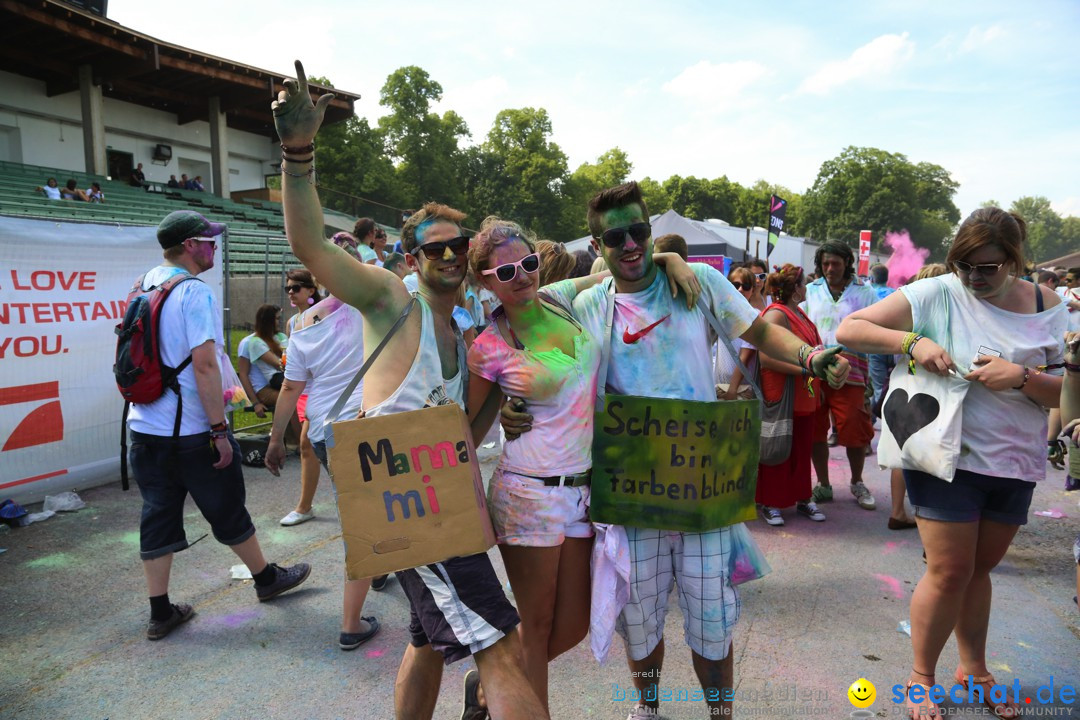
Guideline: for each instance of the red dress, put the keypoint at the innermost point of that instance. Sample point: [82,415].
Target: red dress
[785,484]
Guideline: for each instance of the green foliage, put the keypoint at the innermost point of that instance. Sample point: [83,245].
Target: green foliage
[415,155]
[871,189]
[422,145]
[1044,228]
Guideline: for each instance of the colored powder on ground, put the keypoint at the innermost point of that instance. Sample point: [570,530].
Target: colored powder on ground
[375,653]
[892,546]
[906,259]
[56,560]
[891,584]
[236,619]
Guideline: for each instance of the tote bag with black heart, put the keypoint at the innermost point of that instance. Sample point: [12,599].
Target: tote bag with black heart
[922,416]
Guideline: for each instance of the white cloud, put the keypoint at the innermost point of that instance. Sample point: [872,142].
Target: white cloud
[878,57]
[715,85]
[977,37]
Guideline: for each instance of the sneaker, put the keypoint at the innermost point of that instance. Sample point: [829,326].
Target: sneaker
[287,579]
[181,613]
[822,493]
[295,518]
[810,510]
[1071,483]
[862,496]
[378,583]
[771,515]
[471,709]
[351,641]
[643,712]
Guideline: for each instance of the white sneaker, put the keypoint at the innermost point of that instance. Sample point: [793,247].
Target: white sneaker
[643,712]
[295,518]
[810,510]
[862,496]
[771,515]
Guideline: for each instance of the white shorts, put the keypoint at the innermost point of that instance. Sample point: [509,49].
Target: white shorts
[526,512]
[699,563]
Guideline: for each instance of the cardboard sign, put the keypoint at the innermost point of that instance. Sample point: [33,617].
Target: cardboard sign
[675,464]
[864,252]
[409,490]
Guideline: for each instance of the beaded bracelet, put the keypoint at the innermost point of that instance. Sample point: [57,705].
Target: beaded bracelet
[310,147]
[310,174]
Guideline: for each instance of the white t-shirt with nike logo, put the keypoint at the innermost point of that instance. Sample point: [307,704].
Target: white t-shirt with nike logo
[659,348]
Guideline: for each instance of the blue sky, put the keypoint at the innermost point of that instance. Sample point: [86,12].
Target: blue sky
[988,90]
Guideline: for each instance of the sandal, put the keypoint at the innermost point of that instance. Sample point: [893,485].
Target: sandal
[920,710]
[1005,710]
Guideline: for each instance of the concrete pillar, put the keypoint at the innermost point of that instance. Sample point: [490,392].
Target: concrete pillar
[219,149]
[93,122]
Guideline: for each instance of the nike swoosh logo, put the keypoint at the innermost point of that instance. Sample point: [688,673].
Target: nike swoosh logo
[632,337]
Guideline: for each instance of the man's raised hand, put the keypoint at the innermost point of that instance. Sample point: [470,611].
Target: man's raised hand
[296,118]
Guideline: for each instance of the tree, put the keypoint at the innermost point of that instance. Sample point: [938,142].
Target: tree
[871,189]
[656,198]
[518,173]
[352,161]
[612,168]
[423,145]
[752,206]
[1044,228]
[701,199]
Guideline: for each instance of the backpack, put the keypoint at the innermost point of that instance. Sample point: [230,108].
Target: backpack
[141,376]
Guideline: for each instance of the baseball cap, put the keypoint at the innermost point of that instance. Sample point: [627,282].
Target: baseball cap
[180,225]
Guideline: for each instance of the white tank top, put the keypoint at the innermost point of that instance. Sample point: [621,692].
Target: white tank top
[424,385]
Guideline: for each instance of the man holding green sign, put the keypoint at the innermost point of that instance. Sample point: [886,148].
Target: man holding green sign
[685,448]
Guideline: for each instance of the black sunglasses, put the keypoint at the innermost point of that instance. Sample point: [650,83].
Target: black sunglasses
[741,286]
[616,237]
[295,288]
[435,250]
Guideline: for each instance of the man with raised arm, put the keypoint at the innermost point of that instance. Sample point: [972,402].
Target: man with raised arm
[458,606]
[648,326]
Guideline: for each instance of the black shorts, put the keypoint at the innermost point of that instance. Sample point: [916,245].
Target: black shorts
[167,470]
[457,606]
[970,497]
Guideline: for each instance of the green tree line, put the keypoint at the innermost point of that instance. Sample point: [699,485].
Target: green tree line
[414,155]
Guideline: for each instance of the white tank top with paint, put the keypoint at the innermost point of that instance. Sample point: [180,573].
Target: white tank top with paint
[424,385]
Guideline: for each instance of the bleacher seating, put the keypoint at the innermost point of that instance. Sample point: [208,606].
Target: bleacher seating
[256,229]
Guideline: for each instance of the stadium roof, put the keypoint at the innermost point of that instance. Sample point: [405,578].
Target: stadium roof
[48,40]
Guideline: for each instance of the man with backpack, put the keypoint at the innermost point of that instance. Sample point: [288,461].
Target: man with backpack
[167,367]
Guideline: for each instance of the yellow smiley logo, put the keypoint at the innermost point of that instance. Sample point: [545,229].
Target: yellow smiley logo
[862,693]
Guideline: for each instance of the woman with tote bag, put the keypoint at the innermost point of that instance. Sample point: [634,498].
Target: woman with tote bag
[787,482]
[980,323]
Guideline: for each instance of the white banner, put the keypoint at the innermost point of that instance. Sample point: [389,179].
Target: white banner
[63,290]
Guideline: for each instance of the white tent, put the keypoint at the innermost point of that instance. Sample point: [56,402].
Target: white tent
[715,237]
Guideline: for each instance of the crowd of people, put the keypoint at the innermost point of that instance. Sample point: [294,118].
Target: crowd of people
[519,332]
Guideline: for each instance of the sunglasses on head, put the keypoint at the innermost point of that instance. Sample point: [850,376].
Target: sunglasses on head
[435,250]
[986,269]
[294,288]
[616,237]
[508,271]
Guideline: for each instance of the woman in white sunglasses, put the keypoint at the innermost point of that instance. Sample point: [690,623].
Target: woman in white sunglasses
[538,496]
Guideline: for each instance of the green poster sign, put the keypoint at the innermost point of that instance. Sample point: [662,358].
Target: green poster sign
[675,464]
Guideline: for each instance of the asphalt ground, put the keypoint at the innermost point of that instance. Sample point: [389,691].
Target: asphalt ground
[73,613]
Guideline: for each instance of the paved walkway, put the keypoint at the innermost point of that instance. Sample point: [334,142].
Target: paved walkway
[73,613]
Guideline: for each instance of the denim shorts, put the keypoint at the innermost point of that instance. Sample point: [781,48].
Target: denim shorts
[167,470]
[970,497]
[320,452]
